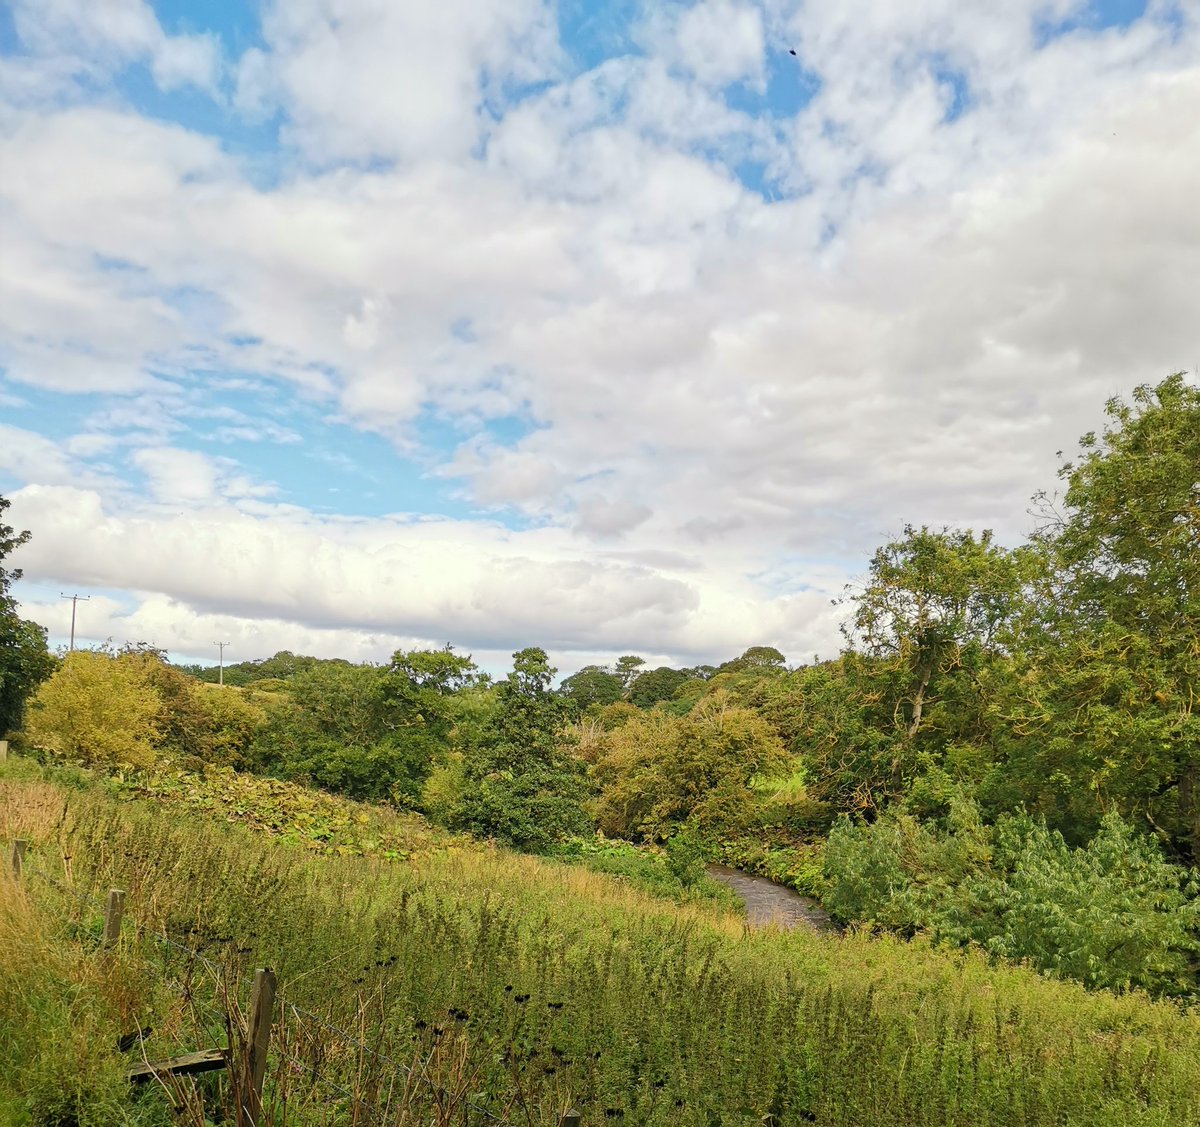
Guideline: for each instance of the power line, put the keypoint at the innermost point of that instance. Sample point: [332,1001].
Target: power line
[221,664]
[74,600]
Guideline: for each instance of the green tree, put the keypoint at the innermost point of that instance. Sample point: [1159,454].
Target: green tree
[930,618]
[1102,712]
[628,667]
[366,731]
[593,684]
[24,659]
[931,600]
[756,658]
[520,782]
[659,771]
[656,685]
[99,708]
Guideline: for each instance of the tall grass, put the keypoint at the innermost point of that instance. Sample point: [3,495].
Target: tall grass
[63,1009]
[467,981]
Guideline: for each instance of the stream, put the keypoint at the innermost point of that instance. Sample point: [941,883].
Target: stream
[771,903]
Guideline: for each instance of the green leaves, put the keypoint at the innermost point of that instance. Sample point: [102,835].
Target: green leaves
[24,660]
[519,782]
[1099,710]
[1113,914]
[657,771]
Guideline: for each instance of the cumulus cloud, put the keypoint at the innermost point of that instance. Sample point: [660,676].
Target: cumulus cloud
[477,584]
[970,237]
[361,79]
[103,35]
[31,457]
[717,41]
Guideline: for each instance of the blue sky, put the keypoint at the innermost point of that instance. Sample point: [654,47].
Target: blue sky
[615,327]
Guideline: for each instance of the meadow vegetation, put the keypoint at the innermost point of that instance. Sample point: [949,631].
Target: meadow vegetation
[466,974]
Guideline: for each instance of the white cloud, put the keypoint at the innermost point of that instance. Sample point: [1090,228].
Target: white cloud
[190,478]
[477,585]
[104,35]
[30,457]
[177,476]
[718,41]
[360,79]
[731,391]
[601,517]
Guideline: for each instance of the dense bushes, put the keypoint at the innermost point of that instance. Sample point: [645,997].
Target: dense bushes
[1112,914]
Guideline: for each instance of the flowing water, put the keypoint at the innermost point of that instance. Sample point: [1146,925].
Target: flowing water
[771,903]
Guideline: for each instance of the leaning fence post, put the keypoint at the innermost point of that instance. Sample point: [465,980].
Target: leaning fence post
[18,857]
[570,1118]
[262,1010]
[114,909]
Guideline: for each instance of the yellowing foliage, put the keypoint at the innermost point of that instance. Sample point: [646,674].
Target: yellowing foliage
[98,708]
[230,719]
[659,770]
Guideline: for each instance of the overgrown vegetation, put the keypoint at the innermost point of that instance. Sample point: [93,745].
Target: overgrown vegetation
[525,987]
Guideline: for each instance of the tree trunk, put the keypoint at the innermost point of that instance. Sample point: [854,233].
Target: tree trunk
[918,705]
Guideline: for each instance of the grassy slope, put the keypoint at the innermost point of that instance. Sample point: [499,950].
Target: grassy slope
[531,987]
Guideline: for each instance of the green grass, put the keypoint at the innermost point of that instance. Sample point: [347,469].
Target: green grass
[643,868]
[527,987]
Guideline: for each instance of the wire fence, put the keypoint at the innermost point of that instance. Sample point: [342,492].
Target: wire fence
[290,1023]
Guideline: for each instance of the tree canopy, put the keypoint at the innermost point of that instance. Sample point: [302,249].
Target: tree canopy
[24,660]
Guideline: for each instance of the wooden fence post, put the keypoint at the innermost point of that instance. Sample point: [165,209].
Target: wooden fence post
[114,909]
[570,1118]
[3,750]
[262,1011]
[18,857]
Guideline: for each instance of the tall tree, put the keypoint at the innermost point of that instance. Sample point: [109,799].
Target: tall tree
[628,667]
[1104,712]
[24,660]
[928,620]
[521,783]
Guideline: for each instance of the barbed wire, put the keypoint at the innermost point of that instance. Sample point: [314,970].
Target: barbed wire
[97,904]
[321,1077]
[83,898]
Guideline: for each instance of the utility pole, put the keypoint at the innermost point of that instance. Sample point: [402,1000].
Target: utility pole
[221,666]
[74,600]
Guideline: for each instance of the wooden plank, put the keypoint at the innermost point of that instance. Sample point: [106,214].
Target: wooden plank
[207,1060]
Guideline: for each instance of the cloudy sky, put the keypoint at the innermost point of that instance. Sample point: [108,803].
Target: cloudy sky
[343,325]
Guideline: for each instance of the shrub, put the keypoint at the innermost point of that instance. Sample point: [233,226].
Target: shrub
[99,708]
[1111,914]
